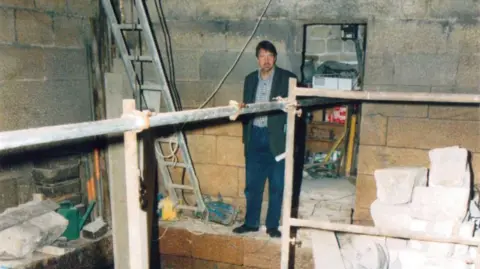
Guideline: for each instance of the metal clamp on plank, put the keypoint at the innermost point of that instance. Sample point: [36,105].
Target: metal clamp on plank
[142,119]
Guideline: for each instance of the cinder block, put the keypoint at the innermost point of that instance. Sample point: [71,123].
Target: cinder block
[470,113]
[334,45]
[261,253]
[66,63]
[476,166]
[22,63]
[218,179]
[424,69]
[214,65]
[448,167]
[322,32]
[70,31]
[391,216]
[174,9]
[349,46]
[176,242]
[52,5]
[225,129]
[220,248]
[201,264]
[86,8]
[195,35]
[371,158]
[395,184]
[7,31]
[379,69]
[395,110]
[439,203]
[411,133]
[17,3]
[315,47]
[365,194]
[203,148]
[471,43]
[229,92]
[34,28]
[468,66]
[230,151]
[194,93]
[176,262]
[373,130]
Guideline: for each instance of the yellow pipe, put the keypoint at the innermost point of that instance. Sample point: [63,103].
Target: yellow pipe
[348,165]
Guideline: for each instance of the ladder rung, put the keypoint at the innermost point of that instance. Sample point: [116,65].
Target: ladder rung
[151,87]
[187,207]
[128,26]
[176,164]
[140,58]
[178,186]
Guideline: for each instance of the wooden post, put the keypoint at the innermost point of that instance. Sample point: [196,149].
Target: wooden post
[138,240]
[288,188]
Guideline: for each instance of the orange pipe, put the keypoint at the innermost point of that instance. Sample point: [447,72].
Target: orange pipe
[97,164]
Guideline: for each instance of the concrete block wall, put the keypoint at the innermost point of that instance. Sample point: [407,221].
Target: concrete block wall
[44,70]
[417,46]
[324,43]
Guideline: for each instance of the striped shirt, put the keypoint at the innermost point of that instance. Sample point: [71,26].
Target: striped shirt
[264,89]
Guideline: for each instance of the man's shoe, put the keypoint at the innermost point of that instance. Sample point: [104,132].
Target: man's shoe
[273,232]
[245,229]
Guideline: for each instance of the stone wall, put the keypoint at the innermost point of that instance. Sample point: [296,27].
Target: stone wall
[416,46]
[44,76]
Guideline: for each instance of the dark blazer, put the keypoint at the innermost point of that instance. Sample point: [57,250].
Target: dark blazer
[277,120]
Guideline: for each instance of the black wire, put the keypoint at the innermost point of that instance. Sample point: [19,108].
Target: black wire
[169,52]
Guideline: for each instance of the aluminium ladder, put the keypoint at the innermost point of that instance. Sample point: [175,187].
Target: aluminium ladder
[152,55]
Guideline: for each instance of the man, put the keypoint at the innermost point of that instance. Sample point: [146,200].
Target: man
[264,138]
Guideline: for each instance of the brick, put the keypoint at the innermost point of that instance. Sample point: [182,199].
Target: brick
[69,31]
[471,42]
[379,69]
[230,151]
[203,148]
[52,5]
[214,65]
[228,92]
[373,130]
[220,248]
[425,69]
[334,45]
[388,216]
[315,47]
[176,262]
[439,203]
[194,93]
[468,70]
[366,192]
[428,134]
[21,63]
[18,3]
[448,167]
[34,28]
[86,8]
[453,112]
[395,110]
[7,32]
[175,241]
[413,37]
[225,129]
[395,184]
[66,64]
[371,158]
[261,253]
[218,179]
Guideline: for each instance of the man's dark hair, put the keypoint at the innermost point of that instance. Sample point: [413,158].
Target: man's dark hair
[266,45]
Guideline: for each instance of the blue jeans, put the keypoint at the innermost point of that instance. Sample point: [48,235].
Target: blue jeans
[260,163]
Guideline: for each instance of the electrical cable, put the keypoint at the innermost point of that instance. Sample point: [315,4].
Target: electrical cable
[238,57]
